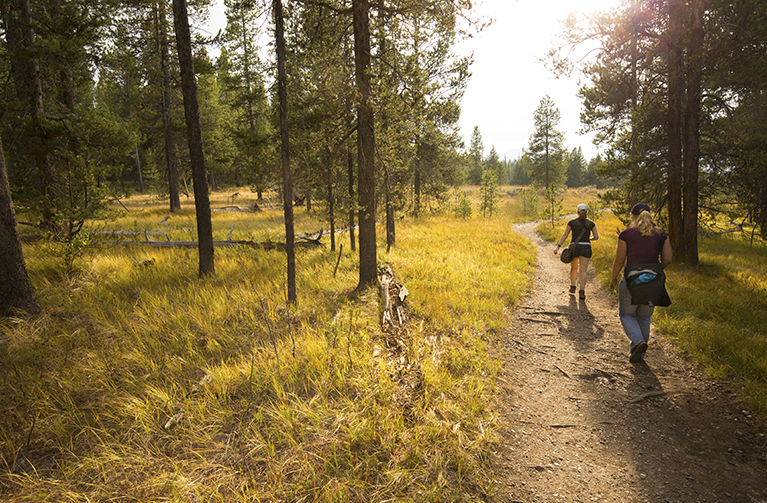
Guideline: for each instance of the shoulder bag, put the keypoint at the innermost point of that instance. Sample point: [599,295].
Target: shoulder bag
[566,255]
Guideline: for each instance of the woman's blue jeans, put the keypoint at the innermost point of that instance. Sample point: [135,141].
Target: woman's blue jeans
[635,319]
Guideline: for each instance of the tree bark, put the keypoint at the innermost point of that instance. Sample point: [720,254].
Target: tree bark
[350,166]
[331,203]
[196,152]
[675,95]
[368,272]
[688,252]
[138,169]
[25,68]
[16,292]
[390,225]
[171,160]
[287,177]
[389,202]
[417,180]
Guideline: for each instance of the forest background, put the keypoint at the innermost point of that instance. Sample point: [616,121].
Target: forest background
[94,113]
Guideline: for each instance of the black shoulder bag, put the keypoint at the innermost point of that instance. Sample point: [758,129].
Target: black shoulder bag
[647,284]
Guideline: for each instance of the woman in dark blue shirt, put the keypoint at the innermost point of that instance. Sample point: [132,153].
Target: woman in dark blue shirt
[584,228]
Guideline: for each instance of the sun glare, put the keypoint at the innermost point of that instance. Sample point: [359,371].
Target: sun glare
[588,6]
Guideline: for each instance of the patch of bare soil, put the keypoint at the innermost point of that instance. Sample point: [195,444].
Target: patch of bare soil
[582,424]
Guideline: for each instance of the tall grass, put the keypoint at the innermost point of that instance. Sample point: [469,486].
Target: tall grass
[145,382]
[719,310]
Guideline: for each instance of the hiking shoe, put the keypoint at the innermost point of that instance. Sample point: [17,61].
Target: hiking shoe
[572,288]
[581,294]
[637,352]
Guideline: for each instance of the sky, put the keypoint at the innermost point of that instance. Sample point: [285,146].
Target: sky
[508,80]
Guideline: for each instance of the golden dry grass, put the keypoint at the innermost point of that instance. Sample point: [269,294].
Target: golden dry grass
[147,383]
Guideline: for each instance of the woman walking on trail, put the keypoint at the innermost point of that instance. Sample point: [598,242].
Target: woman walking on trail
[583,229]
[646,251]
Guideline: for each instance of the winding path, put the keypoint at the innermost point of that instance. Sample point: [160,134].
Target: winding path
[579,423]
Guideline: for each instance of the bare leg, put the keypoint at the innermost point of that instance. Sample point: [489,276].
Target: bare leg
[583,272]
[574,270]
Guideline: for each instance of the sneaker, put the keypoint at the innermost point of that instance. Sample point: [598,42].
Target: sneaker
[572,288]
[581,294]
[637,352]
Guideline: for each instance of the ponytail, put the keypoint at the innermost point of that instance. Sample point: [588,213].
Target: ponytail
[644,224]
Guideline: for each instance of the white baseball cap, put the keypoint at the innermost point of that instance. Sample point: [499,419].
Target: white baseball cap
[582,207]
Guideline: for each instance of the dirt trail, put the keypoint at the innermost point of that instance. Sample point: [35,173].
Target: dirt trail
[582,424]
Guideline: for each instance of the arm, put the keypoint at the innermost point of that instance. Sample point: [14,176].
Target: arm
[666,254]
[620,258]
[562,239]
[594,233]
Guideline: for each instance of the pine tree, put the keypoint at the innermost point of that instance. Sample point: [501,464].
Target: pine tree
[489,193]
[477,154]
[241,76]
[519,170]
[546,150]
[575,169]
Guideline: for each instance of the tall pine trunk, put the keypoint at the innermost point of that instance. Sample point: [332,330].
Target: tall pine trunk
[391,226]
[675,62]
[368,272]
[287,177]
[331,202]
[417,180]
[391,238]
[170,148]
[25,68]
[688,252]
[350,170]
[138,169]
[196,152]
[16,290]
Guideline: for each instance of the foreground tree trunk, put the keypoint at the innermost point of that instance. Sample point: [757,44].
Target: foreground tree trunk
[688,252]
[25,67]
[365,146]
[684,108]
[16,292]
[196,152]
[287,178]
[675,70]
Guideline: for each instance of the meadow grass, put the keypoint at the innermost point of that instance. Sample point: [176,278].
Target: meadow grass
[719,310]
[141,381]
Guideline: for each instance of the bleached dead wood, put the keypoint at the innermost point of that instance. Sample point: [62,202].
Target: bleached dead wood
[308,241]
[233,208]
[266,245]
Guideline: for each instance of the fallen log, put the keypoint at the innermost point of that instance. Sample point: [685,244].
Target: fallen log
[234,208]
[309,241]
[266,245]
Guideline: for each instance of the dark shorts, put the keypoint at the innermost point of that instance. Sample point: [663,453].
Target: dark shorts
[582,251]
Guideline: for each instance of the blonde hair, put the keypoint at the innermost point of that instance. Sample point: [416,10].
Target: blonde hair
[645,224]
